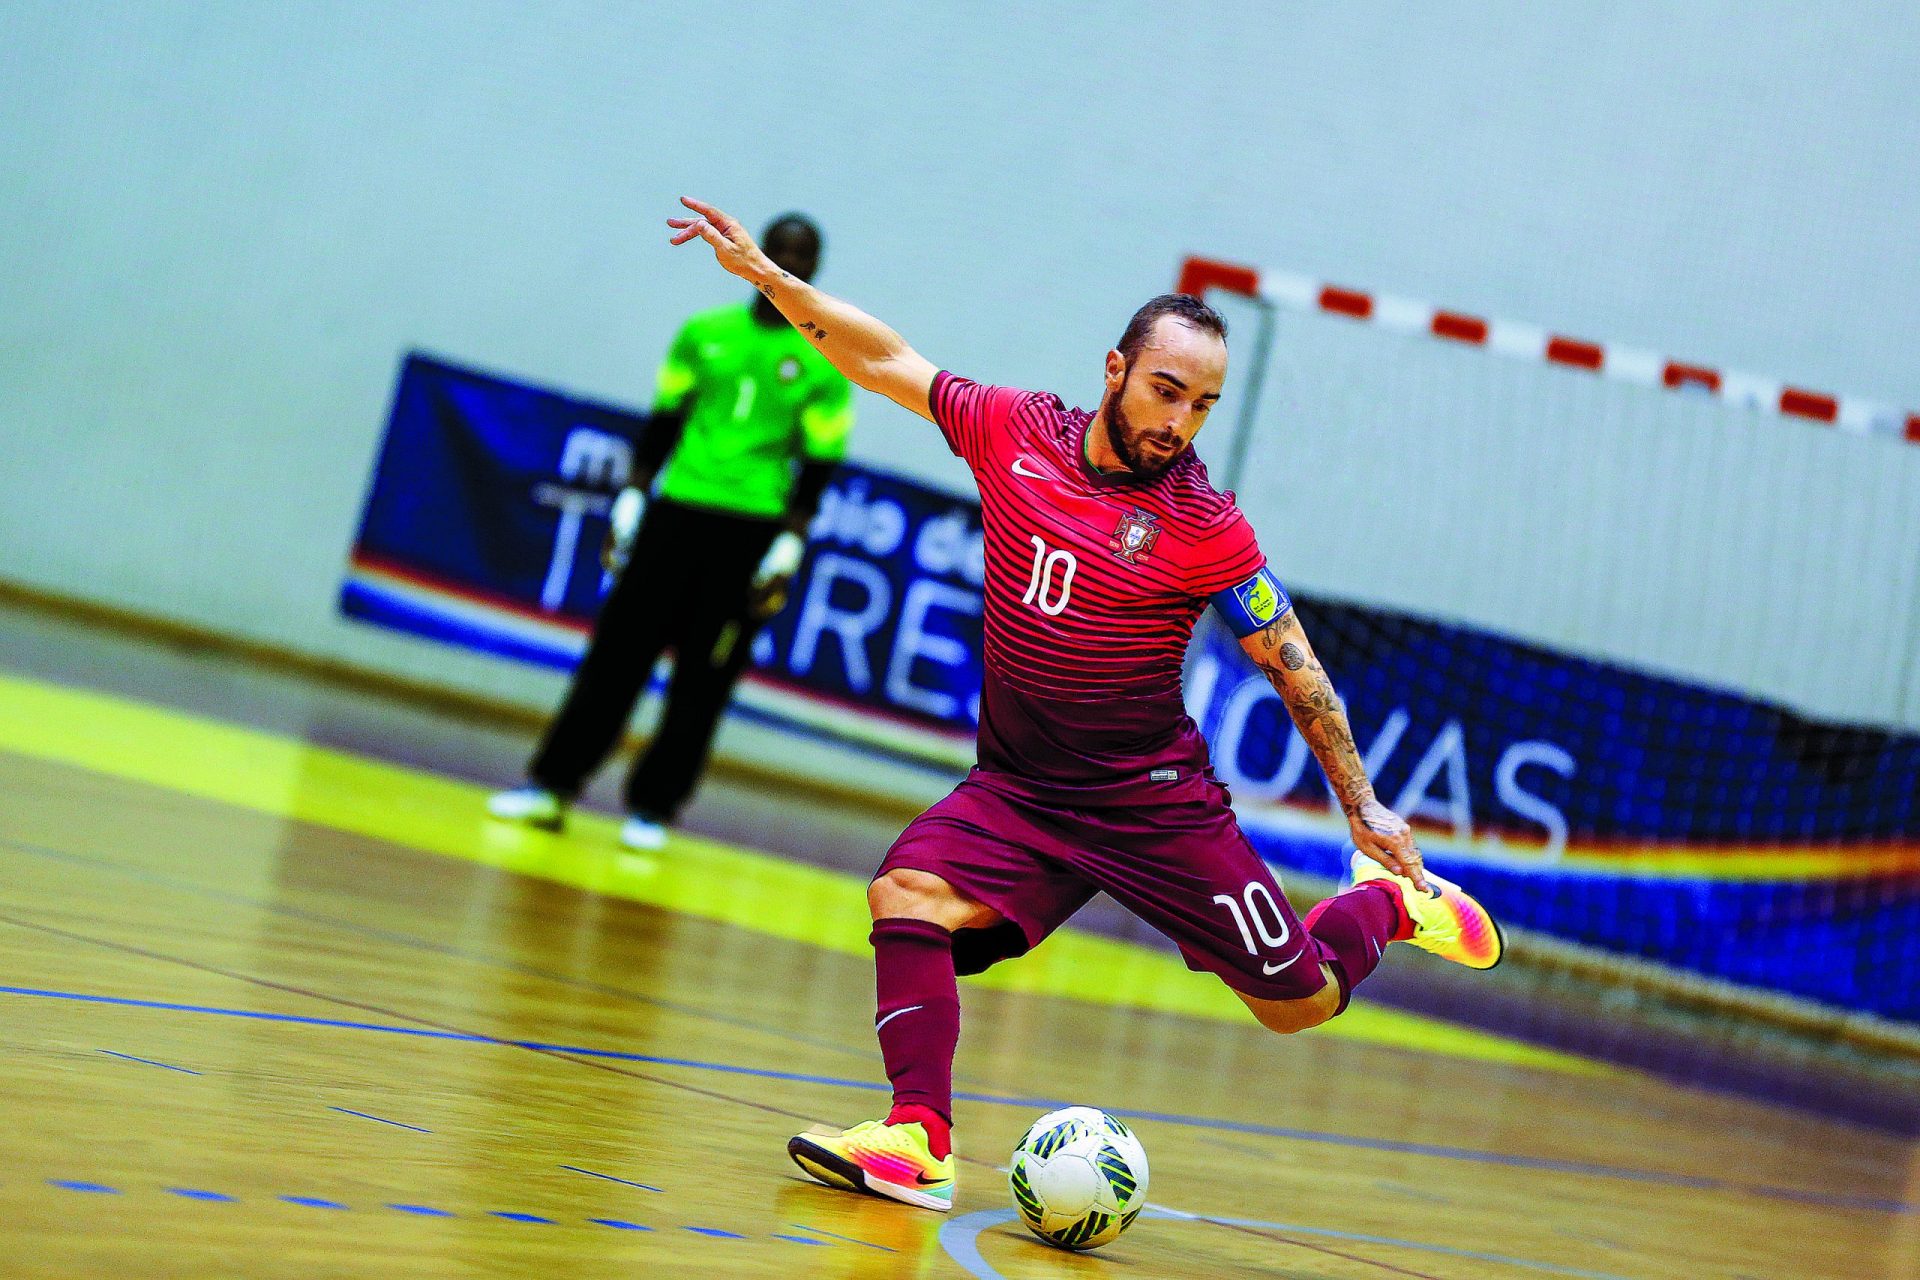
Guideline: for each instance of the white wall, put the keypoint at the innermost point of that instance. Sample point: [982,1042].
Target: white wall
[221,225]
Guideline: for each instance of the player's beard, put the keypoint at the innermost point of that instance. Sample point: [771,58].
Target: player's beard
[1129,442]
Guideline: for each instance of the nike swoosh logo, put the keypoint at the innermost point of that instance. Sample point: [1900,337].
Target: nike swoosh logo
[1031,475]
[909,1009]
[925,1181]
[1271,969]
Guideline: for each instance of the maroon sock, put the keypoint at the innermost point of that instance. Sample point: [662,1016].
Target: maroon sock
[1356,927]
[918,1021]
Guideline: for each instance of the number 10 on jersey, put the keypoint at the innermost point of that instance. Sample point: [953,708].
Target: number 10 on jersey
[1041,587]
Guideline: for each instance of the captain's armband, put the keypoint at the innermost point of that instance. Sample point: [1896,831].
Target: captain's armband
[1253,604]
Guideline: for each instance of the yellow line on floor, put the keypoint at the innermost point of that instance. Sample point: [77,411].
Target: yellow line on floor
[288,778]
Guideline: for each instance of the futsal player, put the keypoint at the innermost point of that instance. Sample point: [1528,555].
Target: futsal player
[748,419]
[1105,543]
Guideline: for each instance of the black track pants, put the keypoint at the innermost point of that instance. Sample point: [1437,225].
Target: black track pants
[684,589]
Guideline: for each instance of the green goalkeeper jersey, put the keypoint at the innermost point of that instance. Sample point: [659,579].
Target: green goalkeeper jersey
[758,400]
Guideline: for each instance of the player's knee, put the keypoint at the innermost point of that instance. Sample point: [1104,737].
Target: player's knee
[912,895]
[1289,1016]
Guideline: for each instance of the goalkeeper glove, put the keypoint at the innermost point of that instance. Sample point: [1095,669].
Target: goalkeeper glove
[623,522]
[768,592]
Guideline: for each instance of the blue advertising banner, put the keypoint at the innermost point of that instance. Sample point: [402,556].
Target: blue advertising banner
[1640,815]
[483,528]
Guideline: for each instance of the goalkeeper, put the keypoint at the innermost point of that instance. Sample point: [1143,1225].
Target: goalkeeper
[748,420]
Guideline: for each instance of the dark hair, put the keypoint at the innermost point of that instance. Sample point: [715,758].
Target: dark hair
[1183,306]
[798,222]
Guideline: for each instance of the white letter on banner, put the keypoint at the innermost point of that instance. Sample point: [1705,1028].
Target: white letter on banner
[593,459]
[1449,752]
[886,528]
[566,541]
[1506,783]
[941,543]
[913,640]
[818,614]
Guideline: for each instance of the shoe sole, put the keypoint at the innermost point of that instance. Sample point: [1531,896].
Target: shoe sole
[842,1174]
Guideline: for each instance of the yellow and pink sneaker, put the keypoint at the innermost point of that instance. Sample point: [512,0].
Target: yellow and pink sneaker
[1446,921]
[890,1160]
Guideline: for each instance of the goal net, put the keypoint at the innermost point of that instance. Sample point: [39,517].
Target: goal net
[1633,641]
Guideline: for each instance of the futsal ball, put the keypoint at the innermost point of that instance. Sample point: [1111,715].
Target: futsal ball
[1079,1178]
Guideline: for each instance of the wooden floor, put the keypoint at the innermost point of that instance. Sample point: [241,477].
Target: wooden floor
[241,1033]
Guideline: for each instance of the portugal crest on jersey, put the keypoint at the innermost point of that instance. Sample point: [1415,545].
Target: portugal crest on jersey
[1135,535]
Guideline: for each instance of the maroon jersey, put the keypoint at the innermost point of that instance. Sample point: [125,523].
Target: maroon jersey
[1094,583]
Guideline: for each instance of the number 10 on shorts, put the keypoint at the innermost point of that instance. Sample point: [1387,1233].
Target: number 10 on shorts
[1256,894]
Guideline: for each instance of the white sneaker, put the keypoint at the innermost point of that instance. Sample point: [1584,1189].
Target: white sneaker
[643,833]
[534,806]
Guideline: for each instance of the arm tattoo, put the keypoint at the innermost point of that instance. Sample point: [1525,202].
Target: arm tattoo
[1271,633]
[1303,686]
[786,277]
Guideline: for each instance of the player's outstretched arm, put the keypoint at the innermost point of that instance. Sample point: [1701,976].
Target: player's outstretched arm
[1281,651]
[867,351]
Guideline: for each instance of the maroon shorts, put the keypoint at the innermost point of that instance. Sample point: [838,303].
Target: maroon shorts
[1184,868]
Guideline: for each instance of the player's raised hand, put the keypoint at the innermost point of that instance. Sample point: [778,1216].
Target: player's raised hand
[1384,836]
[733,246]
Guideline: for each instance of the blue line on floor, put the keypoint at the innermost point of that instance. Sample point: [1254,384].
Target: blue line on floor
[801,1240]
[570,1168]
[1546,1164]
[149,1062]
[313,1202]
[960,1237]
[429,1211]
[395,1123]
[821,1231]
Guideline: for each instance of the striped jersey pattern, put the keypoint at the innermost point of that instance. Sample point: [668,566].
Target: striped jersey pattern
[1094,583]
